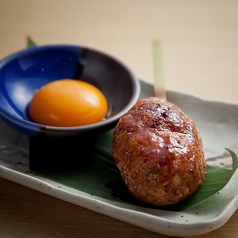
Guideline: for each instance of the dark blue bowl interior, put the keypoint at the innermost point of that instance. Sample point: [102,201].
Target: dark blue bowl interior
[22,73]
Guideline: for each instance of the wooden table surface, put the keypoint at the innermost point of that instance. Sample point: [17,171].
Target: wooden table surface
[199,40]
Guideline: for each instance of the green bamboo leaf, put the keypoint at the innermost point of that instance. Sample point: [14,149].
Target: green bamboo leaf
[30,42]
[234,160]
[98,175]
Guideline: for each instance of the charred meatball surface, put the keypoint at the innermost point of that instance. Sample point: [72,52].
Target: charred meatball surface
[159,153]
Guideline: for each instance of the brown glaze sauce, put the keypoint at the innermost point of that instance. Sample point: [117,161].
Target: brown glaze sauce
[156,146]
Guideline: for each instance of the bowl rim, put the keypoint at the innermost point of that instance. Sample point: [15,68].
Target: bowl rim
[36,127]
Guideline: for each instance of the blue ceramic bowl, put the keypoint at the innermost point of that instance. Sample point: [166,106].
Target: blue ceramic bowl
[22,73]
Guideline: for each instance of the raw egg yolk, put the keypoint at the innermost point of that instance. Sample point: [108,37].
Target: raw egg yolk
[66,103]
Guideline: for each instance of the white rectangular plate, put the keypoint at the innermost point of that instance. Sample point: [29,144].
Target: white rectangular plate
[217,124]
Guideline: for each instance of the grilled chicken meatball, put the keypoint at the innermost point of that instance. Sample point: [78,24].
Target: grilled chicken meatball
[159,153]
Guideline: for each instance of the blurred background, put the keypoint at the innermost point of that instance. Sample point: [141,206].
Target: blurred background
[199,37]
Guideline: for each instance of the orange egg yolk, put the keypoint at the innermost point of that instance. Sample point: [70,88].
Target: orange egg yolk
[66,103]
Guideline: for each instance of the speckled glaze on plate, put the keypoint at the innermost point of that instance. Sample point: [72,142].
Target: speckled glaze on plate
[217,124]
